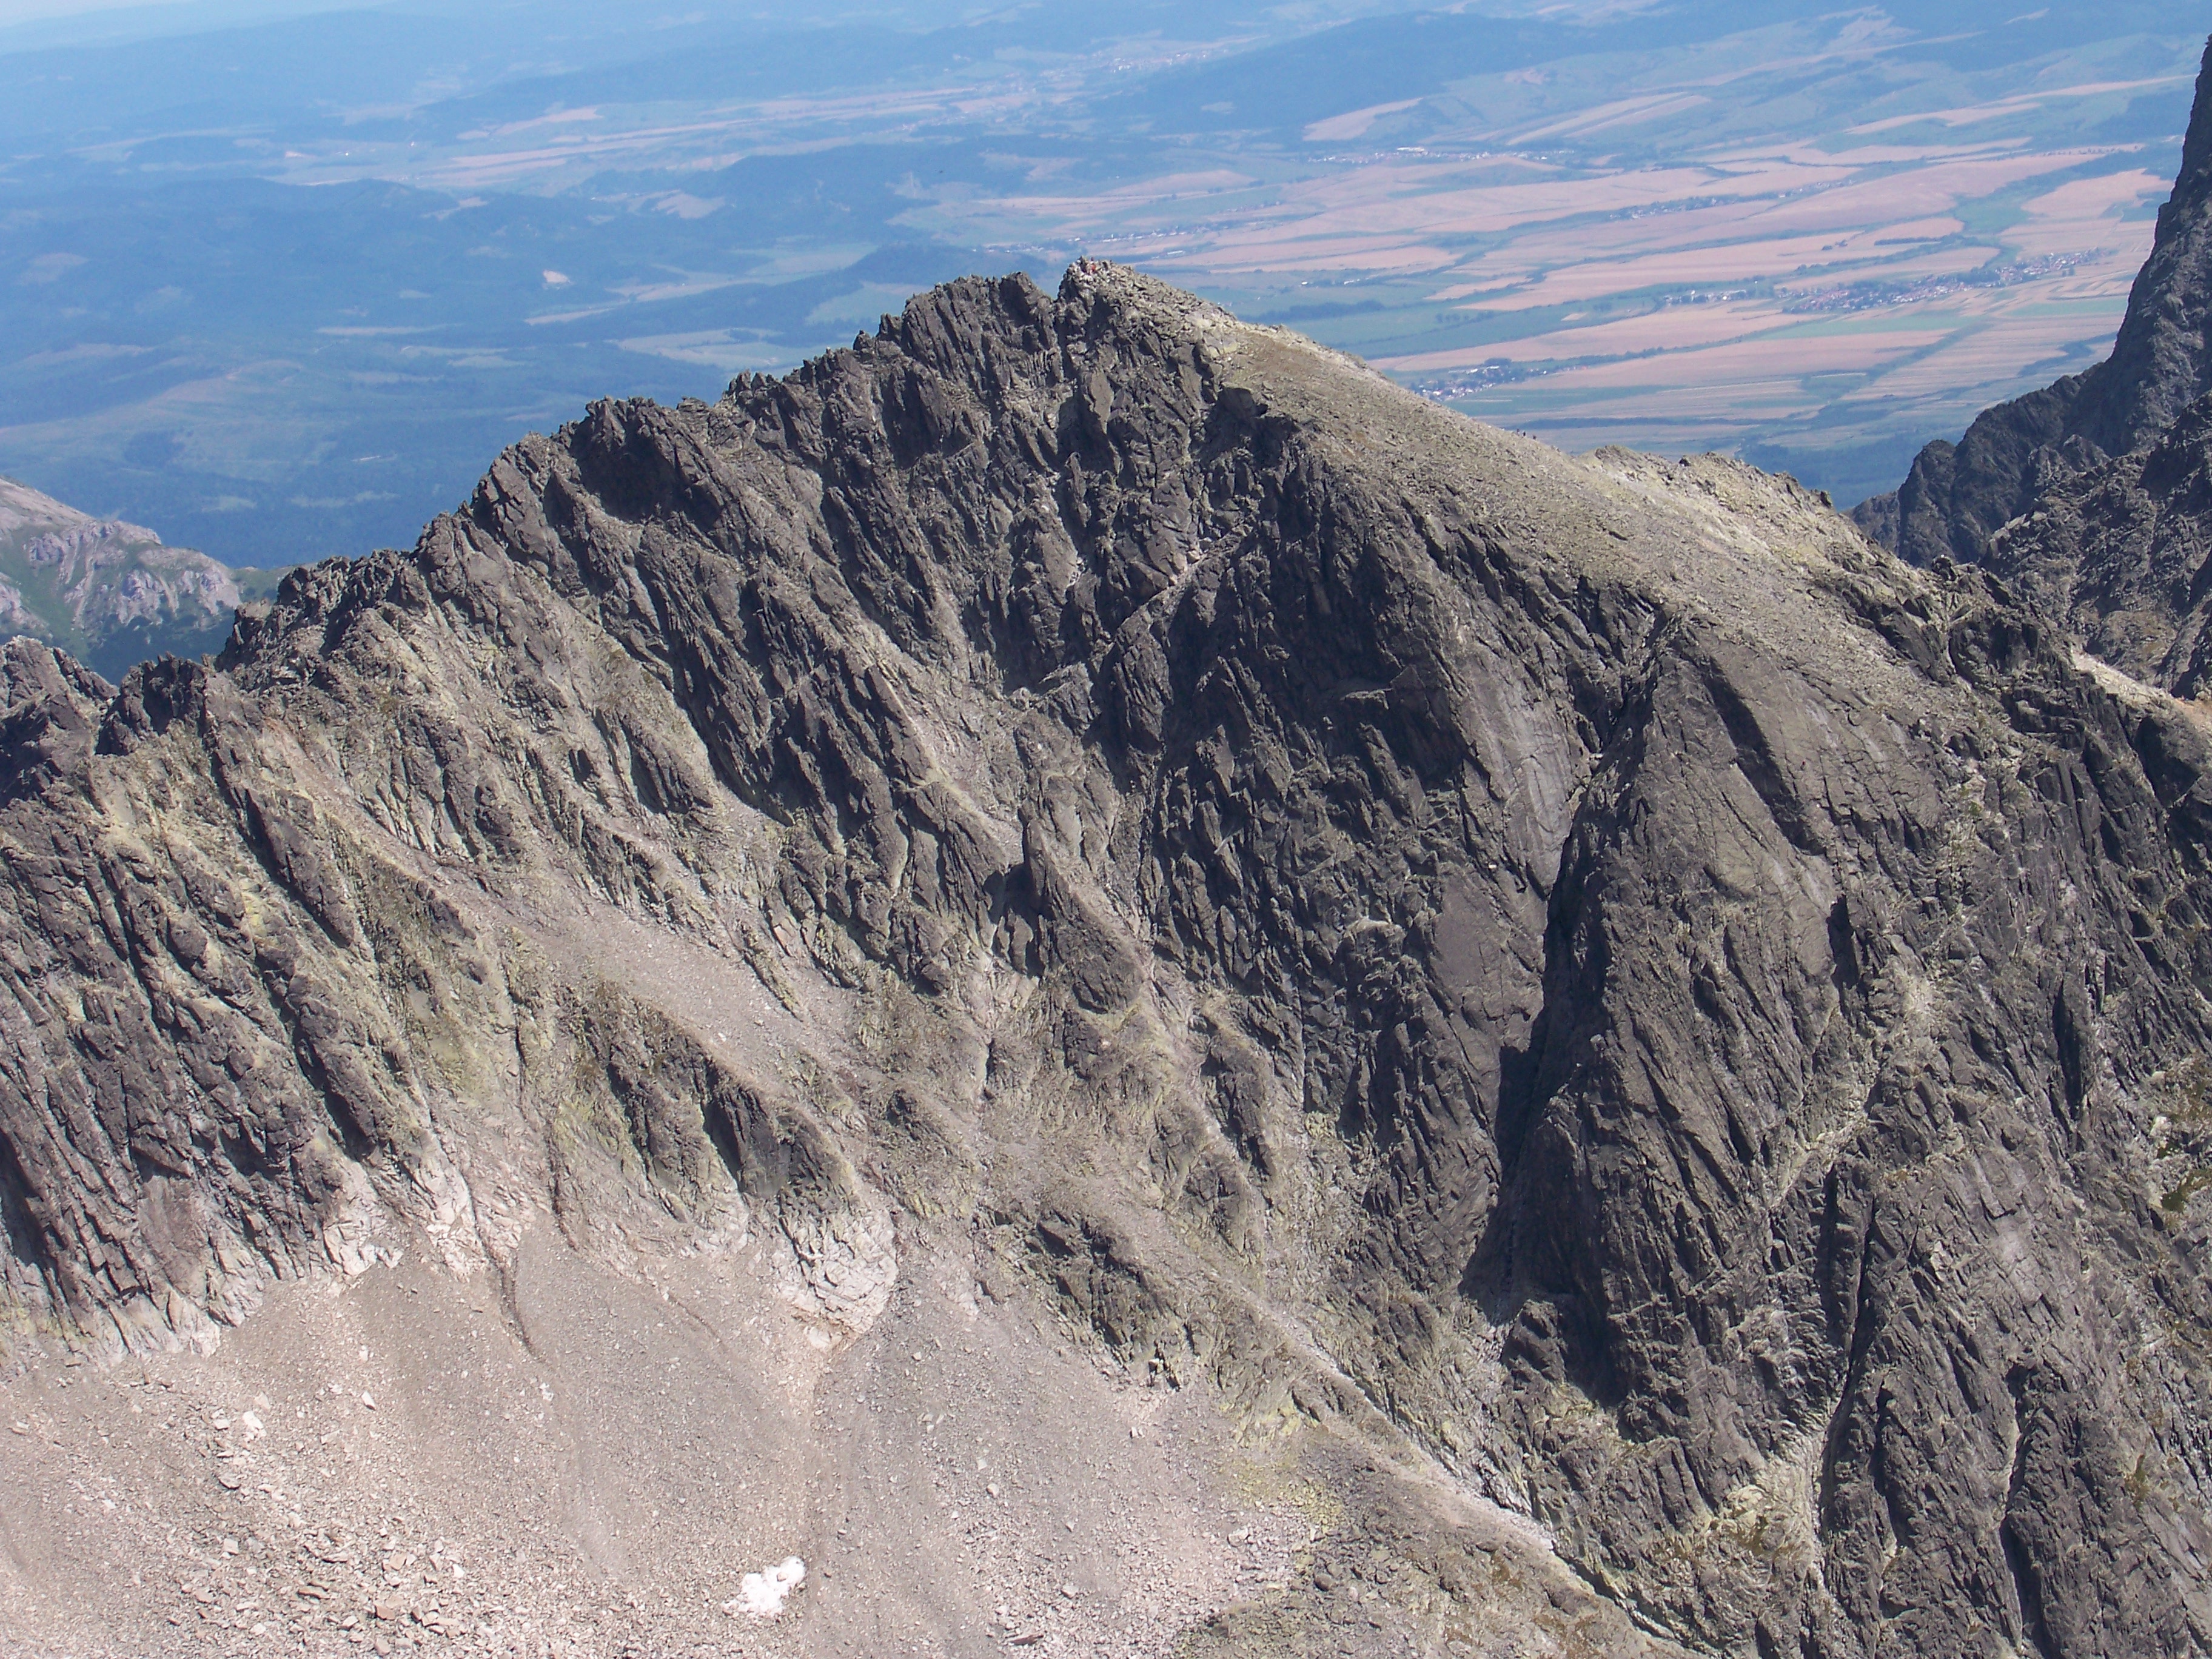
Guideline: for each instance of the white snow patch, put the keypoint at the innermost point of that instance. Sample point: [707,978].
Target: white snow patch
[761,1594]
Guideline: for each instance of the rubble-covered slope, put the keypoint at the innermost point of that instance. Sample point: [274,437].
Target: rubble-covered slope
[1586,979]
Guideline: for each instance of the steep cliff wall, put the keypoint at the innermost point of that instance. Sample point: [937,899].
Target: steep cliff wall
[1585,976]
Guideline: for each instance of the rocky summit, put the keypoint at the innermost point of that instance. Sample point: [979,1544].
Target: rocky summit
[2107,530]
[1958,496]
[1083,980]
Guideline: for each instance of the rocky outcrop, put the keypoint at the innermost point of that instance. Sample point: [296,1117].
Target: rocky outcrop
[1586,974]
[2090,498]
[2116,554]
[2161,363]
[1958,496]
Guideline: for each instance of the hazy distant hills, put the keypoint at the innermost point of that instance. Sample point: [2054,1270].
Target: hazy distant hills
[110,592]
[276,286]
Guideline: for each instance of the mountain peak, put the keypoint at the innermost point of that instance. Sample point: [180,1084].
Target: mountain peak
[2160,363]
[2195,176]
[1079,829]
[1958,496]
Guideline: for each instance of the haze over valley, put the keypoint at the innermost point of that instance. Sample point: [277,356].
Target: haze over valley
[275,284]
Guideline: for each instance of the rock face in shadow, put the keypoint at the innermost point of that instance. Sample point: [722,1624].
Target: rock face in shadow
[2116,554]
[1957,497]
[1585,976]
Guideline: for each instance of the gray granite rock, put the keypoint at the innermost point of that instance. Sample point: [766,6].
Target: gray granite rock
[1585,977]
[1958,496]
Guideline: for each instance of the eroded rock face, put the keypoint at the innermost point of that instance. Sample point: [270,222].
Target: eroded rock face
[2091,498]
[2116,554]
[1587,973]
[2161,363]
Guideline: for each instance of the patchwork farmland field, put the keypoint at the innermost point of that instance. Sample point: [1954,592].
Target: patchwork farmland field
[1813,237]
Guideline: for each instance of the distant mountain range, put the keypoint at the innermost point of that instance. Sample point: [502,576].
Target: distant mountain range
[112,593]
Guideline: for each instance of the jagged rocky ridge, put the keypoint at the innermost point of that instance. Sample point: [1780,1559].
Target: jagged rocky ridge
[1587,972]
[2116,554]
[1957,497]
